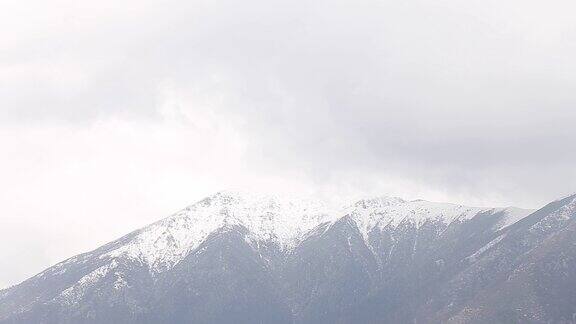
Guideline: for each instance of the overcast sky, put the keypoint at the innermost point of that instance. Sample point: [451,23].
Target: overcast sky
[115,113]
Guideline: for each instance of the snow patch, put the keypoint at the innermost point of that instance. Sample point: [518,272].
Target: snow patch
[386,211]
[73,294]
[473,257]
[511,216]
[557,218]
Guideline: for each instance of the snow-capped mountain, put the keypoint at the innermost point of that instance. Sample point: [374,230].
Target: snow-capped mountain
[278,220]
[246,258]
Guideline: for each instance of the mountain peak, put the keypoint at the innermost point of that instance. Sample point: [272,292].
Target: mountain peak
[278,219]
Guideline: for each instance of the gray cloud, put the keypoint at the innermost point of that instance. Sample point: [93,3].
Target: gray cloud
[470,102]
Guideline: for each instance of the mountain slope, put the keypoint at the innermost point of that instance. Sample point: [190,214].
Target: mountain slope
[526,276]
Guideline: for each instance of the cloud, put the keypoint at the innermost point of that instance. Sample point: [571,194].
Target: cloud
[116,113]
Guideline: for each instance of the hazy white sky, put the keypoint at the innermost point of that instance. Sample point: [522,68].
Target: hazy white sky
[115,113]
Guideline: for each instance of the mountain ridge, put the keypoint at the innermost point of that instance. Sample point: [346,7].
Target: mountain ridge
[280,220]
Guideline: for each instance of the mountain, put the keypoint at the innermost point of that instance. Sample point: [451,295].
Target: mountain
[245,258]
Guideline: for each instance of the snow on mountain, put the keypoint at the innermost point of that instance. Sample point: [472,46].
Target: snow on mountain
[569,209]
[558,218]
[281,220]
[511,216]
[74,293]
[392,211]
[269,218]
[387,211]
